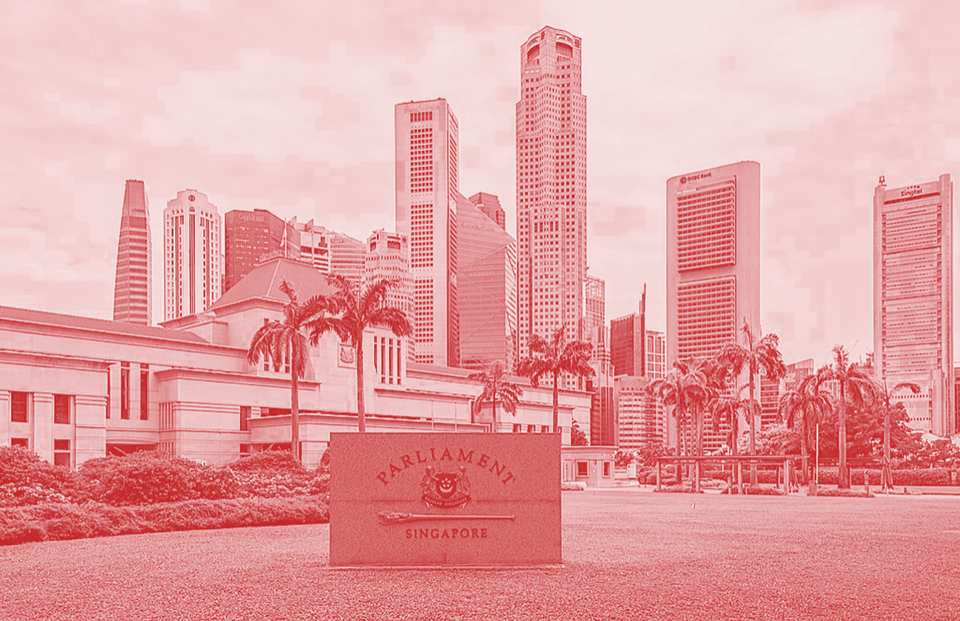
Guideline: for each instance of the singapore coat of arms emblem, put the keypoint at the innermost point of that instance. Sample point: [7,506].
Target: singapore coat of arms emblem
[445,490]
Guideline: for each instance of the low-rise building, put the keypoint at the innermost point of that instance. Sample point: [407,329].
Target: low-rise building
[74,388]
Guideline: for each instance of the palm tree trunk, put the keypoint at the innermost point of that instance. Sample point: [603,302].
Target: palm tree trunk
[494,412]
[556,406]
[699,451]
[680,443]
[294,412]
[753,434]
[803,448]
[361,417]
[886,483]
[737,474]
[843,477]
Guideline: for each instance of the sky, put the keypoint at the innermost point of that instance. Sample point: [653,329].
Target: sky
[289,107]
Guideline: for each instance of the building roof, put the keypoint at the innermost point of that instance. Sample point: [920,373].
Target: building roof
[264,281]
[23,315]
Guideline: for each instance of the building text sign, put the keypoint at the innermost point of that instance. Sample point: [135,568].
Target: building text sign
[426,499]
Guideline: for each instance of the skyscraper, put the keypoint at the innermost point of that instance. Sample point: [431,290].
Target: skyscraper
[193,272]
[386,259]
[627,348]
[640,416]
[913,298]
[487,284]
[713,261]
[249,236]
[427,182]
[551,187]
[132,292]
[330,252]
[489,204]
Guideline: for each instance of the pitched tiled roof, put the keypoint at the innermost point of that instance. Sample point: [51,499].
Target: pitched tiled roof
[264,282]
[99,325]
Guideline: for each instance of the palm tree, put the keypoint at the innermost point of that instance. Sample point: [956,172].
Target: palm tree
[856,388]
[885,401]
[725,407]
[283,343]
[685,388]
[496,386]
[758,357]
[553,357]
[360,308]
[810,403]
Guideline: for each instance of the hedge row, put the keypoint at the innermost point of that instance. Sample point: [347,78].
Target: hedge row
[148,478]
[58,521]
[827,476]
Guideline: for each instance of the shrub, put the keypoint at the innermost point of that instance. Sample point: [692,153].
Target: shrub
[673,488]
[20,468]
[48,521]
[269,461]
[916,477]
[144,478]
[845,493]
[756,490]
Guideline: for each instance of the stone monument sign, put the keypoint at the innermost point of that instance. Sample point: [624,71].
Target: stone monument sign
[427,499]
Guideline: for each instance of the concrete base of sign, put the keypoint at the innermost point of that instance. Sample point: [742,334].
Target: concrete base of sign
[445,499]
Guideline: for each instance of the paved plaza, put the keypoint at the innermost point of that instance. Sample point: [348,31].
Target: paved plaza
[627,555]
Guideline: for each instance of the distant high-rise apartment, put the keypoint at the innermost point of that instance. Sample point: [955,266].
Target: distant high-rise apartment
[132,293]
[386,259]
[713,261]
[551,188]
[193,272]
[250,236]
[330,252]
[427,183]
[913,298]
[487,284]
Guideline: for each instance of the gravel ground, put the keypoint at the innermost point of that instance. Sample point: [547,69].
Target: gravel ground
[627,556]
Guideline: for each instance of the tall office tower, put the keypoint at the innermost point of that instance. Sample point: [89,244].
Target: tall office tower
[628,350]
[250,236]
[487,285]
[551,188]
[603,412]
[913,298]
[314,244]
[640,415]
[386,259]
[489,204]
[330,252]
[132,292]
[796,373]
[427,182]
[769,402]
[713,262]
[594,303]
[626,345]
[193,272]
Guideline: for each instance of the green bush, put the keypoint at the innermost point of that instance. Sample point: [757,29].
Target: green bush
[27,479]
[673,488]
[56,521]
[269,461]
[845,493]
[756,490]
[916,477]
